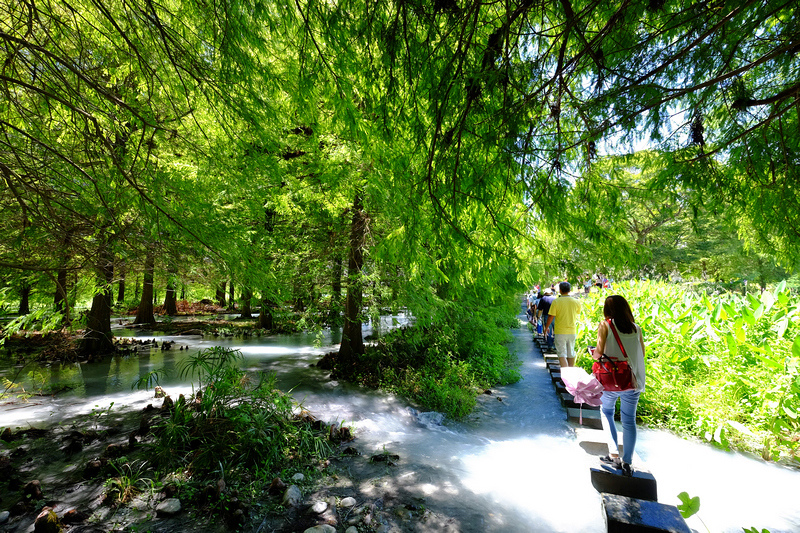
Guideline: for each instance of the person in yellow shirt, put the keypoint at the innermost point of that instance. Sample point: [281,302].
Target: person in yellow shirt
[564,310]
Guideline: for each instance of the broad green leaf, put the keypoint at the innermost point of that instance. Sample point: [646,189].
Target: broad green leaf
[719,314]
[738,330]
[689,506]
[705,301]
[718,434]
[733,347]
[781,327]
[754,302]
[741,428]
[796,347]
[685,327]
[768,300]
[769,362]
[780,287]
[748,316]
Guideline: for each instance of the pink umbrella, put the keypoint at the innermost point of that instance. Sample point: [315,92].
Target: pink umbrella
[583,387]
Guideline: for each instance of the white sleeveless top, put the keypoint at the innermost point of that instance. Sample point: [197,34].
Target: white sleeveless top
[633,347]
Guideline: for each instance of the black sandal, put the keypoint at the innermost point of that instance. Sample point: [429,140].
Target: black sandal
[627,470]
[616,462]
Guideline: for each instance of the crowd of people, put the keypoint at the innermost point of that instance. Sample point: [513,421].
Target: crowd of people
[560,332]
[556,318]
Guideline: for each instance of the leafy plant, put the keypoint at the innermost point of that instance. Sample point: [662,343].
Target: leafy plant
[723,368]
[129,482]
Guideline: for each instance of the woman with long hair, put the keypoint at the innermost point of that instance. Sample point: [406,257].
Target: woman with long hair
[619,316]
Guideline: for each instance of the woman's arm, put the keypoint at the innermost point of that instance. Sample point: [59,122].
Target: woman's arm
[602,333]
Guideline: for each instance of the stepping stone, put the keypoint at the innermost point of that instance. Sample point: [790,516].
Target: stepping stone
[555,377]
[591,418]
[630,515]
[553,367]
[568,402]
[641,485]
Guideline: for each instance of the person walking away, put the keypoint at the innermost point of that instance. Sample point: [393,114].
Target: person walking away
[535,311]
[618,312]
[564,311]
[587,286]
[544,308]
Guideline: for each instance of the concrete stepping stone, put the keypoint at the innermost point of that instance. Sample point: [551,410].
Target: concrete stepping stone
[631,515]
[641,485]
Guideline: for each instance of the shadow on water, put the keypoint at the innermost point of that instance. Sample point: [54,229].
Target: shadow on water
[513,465]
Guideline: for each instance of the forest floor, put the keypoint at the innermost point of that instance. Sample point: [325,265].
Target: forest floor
[74,462]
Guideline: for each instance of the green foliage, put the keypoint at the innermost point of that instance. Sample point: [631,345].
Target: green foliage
[723,368]
[689,506]
[441,365]
[44,319]
[129,482]
[232,424]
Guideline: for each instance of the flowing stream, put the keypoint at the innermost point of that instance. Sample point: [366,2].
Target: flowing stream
[514,465]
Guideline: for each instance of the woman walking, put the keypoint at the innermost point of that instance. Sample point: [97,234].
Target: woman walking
[627,344]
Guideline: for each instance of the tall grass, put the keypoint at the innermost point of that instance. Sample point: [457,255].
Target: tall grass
[723,368]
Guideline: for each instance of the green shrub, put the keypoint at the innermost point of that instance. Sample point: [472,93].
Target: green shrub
[442,364]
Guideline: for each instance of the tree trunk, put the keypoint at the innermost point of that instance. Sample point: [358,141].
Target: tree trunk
[265,318]
[334,314]
[220,295]
[144,315]
[121,286]
[98,338]
[231,297]
[352,347]
[61,302]
[24,298]
[170,301]
[247,297]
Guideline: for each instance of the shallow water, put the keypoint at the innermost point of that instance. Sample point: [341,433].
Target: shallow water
[514,465]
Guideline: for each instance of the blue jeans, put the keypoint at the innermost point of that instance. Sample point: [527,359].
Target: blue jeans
[629,399]
[549,336]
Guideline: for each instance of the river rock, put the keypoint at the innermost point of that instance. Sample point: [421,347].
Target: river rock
[47,522]
[32,491]
[351,529]
[4,517]
[292,497]
[322,528]
[430,418]
[319,507]
[298,477]
[277,486]
[169,507]
[74,516]
[5,467]
[347,502]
